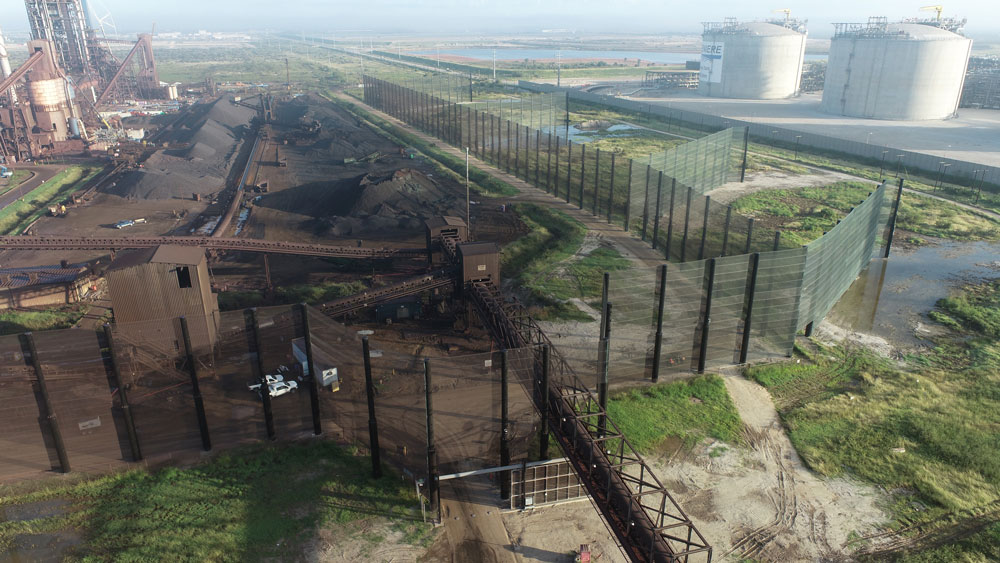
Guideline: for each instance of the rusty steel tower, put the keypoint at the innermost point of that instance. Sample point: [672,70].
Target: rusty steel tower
[64,23]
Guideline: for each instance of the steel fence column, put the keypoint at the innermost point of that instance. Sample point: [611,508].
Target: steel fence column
[265,389]
[376,451]
[725,234]
[687,221]
[508,147]
[611,189]
[656,212]
[432,477]
[504,428]
[892,222]
[517,147]
[133,438]
[313,380]
[475,131]
[538,142]
[704,228]
[628,197]
[777,240]
[658,342]
[746,143]
[748,315]
[583,170]
[569,166]
[749,235]
[555,185]
[670,221]
[50,412]
[543,431]
[706,319]
[199,405]
[597,181]
[602,382]
[645,205]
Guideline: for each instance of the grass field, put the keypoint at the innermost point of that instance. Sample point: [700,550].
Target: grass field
[689,410]
[8,184]
[926,429]
[18,215]
[15,322]
[261,503]
[804,214]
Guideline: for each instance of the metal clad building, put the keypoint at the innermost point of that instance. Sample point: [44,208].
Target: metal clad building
[910,71]
[755,60]
[151,288]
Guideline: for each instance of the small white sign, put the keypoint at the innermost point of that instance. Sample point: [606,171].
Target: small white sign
[488,363]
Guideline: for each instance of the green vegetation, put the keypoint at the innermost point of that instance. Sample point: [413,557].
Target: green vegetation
[553,237]
[18,215]
[804,214]
[254,504]
[312,294]
[480,182]
[629,143]
[926,429]
[15,322]
[690,410]
[8,184]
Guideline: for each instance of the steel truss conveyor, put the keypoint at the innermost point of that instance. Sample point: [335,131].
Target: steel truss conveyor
[648,523]
[209,243]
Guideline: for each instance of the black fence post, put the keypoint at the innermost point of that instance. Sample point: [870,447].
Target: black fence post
[538,162]
[670,220]
[504,428]
[543,430]
[748,316]
[432,477]
[507,163]
[704,228]
[602,382]
[313,380]
[746,143]
[892,222]
[265,389]
[569,167]
[645,205]
[725,231]
[658,343]
[706,318]
[133,438]
[597,182]
[687,221]
[50,413]
[809,329]
[749,235]
[376,451]
[583,170]
[517,148]
[199,404]
[474,117]
[656,213]
[777,240]
[555,185]
[611,189]
[628,197]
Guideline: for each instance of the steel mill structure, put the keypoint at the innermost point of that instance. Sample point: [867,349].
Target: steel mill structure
[756,60]
[912,70]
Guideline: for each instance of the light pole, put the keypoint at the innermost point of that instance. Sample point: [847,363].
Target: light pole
[982,178]
[797,137]
[943,167]
[899,161]
[468,213]
[882,166]
[869,139]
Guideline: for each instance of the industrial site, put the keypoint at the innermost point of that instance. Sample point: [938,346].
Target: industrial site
[718,288]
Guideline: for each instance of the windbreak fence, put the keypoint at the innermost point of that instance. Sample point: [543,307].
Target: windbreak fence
[143,392]
[659,196]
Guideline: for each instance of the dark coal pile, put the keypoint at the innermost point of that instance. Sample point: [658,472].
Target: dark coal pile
[207,142]
[341,135]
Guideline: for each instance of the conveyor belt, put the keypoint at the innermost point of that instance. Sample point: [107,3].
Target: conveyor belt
[241,244]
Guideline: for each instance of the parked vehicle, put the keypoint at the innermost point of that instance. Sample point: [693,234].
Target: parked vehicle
[6,172]
[125,223]
[282,387]
[271,379]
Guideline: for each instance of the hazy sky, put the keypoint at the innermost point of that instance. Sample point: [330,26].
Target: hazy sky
[499,16]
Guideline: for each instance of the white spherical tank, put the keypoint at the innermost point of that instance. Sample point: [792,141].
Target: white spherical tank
[755,60]
[906,71]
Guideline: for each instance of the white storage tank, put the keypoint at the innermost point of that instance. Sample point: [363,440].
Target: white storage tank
[906,71]
[755,60]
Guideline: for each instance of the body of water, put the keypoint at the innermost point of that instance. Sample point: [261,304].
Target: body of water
[891,298]
[535,54]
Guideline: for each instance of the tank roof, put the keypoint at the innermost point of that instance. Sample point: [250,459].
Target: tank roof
[878,27]
[759,29]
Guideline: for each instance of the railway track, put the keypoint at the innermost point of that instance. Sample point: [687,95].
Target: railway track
[209,243]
